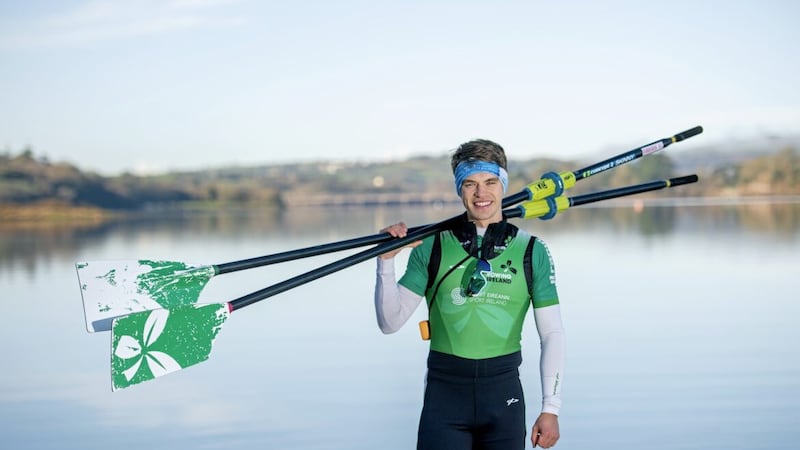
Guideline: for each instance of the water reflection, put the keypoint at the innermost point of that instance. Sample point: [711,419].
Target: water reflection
[670,309]
[23,248]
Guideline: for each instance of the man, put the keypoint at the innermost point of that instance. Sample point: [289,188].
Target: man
[479,279]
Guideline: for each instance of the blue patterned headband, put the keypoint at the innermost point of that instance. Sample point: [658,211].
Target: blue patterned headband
[467,168]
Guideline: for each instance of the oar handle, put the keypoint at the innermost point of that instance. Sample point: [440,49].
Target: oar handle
[688,133]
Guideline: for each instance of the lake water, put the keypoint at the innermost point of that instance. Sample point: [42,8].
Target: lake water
[681,325]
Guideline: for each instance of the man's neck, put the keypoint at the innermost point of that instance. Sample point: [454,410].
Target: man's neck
[485,222]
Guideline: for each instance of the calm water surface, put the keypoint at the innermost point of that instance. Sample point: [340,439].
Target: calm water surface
[681,327]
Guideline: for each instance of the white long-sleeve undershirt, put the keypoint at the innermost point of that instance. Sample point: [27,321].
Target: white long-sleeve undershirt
[395,304]
[551,361]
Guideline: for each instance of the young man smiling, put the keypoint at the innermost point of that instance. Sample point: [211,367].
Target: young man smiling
[479,279]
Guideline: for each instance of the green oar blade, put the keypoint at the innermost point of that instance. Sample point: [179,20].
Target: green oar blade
[111,289]
[149,344]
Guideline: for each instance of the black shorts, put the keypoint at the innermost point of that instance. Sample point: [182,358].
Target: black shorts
[472,404]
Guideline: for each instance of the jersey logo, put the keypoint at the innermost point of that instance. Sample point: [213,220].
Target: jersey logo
[511,401]
[458,296]
[507,267]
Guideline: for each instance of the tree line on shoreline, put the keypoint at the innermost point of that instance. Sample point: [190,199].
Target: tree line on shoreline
[27,179]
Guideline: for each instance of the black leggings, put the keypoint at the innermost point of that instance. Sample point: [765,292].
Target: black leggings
[472,404]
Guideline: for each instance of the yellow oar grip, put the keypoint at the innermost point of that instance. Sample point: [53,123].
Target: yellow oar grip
[540,208]
[551,184]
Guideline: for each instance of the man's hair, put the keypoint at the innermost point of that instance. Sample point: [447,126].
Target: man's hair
[479,150]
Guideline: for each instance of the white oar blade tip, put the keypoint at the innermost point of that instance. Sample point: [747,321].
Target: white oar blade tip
[114,288]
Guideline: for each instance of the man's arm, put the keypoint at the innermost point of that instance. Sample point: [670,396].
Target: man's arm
[394,304]
[547,313]
[551,362]
[551,368]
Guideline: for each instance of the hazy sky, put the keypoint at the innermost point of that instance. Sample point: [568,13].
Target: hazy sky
[154,85]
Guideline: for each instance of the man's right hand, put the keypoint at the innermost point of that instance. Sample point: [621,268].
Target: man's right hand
[398,230]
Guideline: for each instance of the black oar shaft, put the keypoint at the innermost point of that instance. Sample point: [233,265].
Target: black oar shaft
[417,234]
[385,245]
[630,190]
[429,230]
[630,155]
[341,264]
[306,252]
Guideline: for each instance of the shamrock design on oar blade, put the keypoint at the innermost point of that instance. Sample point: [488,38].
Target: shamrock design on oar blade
[158,362]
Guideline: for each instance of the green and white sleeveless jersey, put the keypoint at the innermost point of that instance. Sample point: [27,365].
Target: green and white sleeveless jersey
[488,323]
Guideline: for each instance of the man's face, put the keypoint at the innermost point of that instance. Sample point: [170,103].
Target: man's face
[482,194]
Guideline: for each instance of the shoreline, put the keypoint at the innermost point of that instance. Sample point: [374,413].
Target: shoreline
[48,213]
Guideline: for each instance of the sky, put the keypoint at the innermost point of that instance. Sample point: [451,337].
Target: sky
[149,86]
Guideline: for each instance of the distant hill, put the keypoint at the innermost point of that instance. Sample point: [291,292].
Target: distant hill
[769,166]
[735,151]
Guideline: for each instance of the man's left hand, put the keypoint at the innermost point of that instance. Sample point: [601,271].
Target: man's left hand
[545,431]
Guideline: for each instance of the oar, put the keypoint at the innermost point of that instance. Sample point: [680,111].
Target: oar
[149,344]
[115,288]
